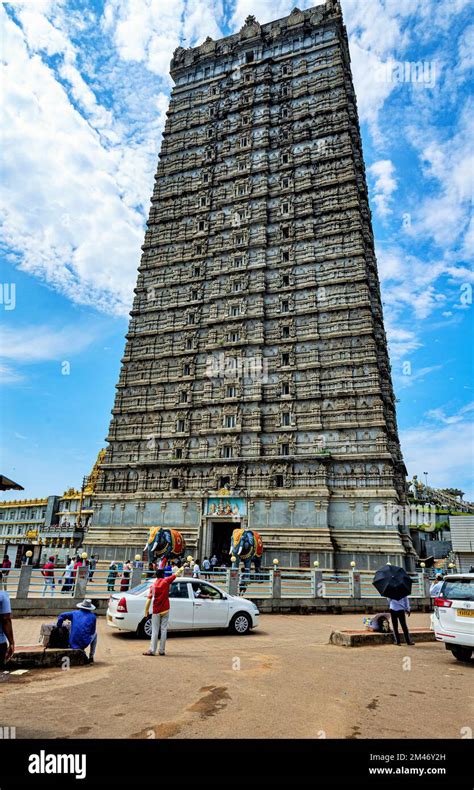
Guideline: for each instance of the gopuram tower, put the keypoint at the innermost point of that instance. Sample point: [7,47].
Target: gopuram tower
[255,387]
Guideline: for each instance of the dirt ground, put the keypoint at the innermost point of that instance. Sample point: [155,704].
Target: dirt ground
[282,680]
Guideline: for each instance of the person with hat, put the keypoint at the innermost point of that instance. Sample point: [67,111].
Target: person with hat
[83,627]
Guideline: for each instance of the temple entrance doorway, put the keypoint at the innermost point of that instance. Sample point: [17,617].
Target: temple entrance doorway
[220,540]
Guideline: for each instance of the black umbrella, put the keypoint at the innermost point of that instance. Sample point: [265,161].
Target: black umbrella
[392,582]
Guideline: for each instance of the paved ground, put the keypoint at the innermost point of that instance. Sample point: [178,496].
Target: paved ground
[282,680]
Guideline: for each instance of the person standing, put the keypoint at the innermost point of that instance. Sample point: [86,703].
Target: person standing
[92,566]
[214,561]
[68,576]
[159,599]
[7,642]
[111,577]
[48,574]
[435,588]
[399,611]
[196,570]
[83,627]
[126,575]
[4,571]
[206,566]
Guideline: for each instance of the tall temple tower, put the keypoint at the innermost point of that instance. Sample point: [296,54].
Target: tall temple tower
[255,388]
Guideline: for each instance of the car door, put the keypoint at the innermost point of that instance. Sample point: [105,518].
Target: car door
[211,607]
[181,606]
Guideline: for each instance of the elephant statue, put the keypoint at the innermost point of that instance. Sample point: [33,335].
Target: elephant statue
[246,545]
[164,544]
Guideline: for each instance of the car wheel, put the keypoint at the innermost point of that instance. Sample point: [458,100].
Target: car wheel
[240,624]
[462,653]
[144,629]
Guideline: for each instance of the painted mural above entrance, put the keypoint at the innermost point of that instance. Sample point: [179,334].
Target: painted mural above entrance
[226,507]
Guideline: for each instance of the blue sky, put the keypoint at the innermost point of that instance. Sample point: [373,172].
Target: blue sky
[85,93]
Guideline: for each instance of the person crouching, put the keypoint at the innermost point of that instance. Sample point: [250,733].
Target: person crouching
[83,627]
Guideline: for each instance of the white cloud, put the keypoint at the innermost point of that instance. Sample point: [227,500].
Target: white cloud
[34,344]
[442,446]
[383,172]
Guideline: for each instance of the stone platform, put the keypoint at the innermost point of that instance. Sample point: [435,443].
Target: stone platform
[38,657]
[363,637]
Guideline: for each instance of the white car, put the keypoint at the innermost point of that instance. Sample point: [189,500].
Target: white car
[454,615]
[194,605]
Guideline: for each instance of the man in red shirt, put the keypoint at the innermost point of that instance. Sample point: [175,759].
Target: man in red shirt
[48,573]
[159,594]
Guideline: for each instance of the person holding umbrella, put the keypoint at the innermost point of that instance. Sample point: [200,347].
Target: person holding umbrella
[395,584]
[399,611]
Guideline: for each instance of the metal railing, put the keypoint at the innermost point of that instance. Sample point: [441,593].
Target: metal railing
[29,582]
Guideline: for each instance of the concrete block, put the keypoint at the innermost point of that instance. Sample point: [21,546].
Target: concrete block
[364,638]
[37,657]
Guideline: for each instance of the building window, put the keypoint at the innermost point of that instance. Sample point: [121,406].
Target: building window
[279,481]
[238,263]
[285,449]
[231,392]
[234,337]
[249,57]
[191,318]
[178,453]
[285,183]
[285,256]
[228,451]
[285,418]
[229,421]
[183,396]
[286,331]
[224,482]
[197,271]
[285,306]
[242,165]
[244,141]
[203,201]
[201,225]
[285,159]
[285,232]
[285,208]
[205,178]
[186,369]
[235,310]
[285,388]
[189,343]
[236,286]
[175,482]
[286,279]
[180,426]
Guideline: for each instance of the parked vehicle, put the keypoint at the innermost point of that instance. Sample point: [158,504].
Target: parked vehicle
[194,605]
[454,615]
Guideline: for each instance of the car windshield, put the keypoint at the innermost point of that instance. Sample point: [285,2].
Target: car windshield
[140,589]
[459,590]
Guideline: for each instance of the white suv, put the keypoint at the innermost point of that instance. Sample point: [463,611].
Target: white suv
[454,615]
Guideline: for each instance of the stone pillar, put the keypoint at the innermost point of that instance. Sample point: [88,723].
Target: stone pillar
[24,581]
[233,581]
[276,583]
[318,585]
[136,575]
[426,585]
[82,577]
[355,584]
